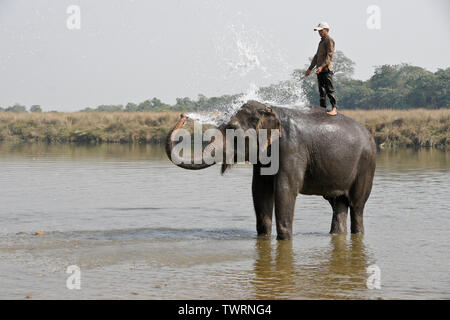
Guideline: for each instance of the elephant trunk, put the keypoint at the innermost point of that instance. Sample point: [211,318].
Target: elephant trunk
[191,164]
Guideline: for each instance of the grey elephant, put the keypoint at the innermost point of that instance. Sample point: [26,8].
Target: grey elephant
[333,157]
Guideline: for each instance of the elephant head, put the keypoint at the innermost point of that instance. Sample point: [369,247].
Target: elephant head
[251,116]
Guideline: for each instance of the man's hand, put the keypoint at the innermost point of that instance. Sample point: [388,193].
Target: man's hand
[307,73]
[319,70]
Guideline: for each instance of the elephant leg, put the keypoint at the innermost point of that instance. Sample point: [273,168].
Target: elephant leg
[340,210]
[285,196]
[356,217]
[359,194]
[263,199]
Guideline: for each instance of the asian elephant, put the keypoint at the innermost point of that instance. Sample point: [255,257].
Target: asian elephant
[319,154]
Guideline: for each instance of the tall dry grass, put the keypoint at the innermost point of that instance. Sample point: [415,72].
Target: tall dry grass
[410,128]
[87,127]
[418,127]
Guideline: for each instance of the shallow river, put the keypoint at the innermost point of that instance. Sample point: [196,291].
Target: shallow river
[140,228]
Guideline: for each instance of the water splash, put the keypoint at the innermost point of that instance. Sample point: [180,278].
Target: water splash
[223,113]
[247,53]
[205,118]
[286,94]
[242,51]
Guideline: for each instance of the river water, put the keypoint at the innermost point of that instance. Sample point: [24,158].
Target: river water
[140,228]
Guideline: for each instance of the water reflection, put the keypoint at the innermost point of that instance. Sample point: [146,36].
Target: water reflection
[83,151]
[273,276]
[344,269]
[399,160]
[334,271]
[391,159]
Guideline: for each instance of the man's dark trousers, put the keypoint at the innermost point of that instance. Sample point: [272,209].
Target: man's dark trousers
[325,80]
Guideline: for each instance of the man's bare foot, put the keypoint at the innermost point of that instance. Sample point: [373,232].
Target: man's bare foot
[332,112]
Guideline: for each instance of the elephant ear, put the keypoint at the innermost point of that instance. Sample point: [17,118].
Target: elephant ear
[268,120]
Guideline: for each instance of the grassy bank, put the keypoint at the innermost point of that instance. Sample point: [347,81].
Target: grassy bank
[410,128]
[87,127]
[406,128]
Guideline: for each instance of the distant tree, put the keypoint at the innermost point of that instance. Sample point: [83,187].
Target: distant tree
[158,105]
[145,106]
[104,108]
[131,107]
[202,102]
[16,108]
[35,108]
[342,65]
[384,77]
[87,109]
[442,89]
[109,108]
[184,104]
[404,86]
[353,94]
[429,89]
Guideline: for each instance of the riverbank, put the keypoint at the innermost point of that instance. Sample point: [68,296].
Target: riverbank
[406,128]
[403,128]
[87,127]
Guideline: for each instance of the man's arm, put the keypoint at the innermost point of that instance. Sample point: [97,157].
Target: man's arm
[313,63]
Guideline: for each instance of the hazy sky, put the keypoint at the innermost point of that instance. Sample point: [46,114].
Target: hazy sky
[132,50]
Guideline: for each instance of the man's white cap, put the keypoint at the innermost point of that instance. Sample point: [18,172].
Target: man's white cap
[322,25]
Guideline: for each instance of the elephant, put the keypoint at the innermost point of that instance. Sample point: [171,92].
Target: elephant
[329,156]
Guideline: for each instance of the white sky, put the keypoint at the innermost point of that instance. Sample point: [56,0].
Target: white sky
[129,51]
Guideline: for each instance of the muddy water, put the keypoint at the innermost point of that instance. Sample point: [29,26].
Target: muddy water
[140,228]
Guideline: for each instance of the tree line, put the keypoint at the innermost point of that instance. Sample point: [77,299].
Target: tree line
[17,107]
[401,86]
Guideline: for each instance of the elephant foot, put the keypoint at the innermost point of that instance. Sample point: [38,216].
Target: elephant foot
[264,235]
[359,230]
[337,231]
[339,225]
[264,229]
[284,236]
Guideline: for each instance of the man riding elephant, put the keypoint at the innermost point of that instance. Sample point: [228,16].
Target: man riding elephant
[310,162]
[323,60]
